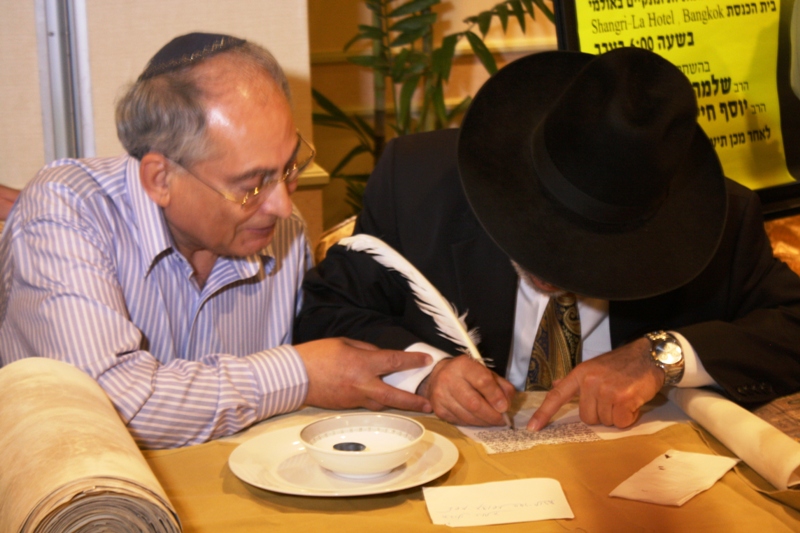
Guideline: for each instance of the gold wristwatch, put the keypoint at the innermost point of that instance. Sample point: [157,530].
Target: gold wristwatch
[667,355]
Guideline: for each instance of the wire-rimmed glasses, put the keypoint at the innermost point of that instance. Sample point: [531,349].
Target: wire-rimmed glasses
[302,158]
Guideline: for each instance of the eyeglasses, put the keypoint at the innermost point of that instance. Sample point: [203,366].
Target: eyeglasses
[251,197]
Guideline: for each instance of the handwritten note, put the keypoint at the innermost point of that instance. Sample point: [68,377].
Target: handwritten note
[500,502]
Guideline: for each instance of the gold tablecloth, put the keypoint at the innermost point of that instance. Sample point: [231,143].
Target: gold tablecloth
[209,498]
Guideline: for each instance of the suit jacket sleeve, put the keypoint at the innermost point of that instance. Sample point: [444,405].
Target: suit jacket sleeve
[349,293]
[755,355]
[741,314]
[415,203]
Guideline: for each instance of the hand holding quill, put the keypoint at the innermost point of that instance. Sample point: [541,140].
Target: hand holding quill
[449,323]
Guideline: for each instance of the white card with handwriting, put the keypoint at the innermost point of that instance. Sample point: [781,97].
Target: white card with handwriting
[499,502]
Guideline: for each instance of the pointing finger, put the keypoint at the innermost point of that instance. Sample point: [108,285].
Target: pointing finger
[557,397]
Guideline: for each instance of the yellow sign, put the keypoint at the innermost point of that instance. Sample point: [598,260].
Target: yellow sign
[728,51]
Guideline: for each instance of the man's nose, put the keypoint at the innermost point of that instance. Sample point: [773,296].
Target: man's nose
[278,202]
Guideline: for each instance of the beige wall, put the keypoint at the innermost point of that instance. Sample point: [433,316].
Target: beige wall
[21,139]
[334,23]
[123,35]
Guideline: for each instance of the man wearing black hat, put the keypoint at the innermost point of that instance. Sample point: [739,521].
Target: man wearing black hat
[581,217]
[171,274]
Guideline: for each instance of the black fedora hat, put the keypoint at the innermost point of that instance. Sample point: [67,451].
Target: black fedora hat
[592,173]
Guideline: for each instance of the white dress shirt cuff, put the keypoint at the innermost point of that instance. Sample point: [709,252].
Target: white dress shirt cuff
[409,380]
[694,373]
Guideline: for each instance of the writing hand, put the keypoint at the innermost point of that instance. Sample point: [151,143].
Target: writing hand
[345,373]
[612,387]
[464,392]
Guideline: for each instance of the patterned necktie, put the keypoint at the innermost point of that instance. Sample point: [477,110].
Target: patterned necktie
[557,345]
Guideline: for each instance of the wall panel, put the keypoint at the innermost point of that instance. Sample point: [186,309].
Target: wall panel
[21,138]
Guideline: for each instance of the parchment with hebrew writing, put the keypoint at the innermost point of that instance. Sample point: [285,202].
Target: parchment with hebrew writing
[68,461]
[566,426]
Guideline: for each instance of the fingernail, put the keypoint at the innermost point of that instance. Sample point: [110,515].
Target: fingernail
[534,425]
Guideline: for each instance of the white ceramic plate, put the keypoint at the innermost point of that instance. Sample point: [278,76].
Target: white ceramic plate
[277,461]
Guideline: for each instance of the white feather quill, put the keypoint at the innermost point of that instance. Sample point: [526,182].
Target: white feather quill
[449,323]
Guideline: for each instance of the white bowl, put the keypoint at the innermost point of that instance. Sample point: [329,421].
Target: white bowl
[380,442]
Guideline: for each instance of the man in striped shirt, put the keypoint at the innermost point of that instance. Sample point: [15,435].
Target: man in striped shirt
[172,275]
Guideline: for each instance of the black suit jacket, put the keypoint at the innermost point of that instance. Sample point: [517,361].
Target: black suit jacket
[741,314]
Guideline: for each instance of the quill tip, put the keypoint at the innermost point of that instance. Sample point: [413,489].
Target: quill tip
[509,421]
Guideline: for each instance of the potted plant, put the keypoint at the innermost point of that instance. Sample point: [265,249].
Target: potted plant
[406,62]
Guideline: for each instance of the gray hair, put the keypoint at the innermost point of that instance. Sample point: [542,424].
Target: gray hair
[165,113]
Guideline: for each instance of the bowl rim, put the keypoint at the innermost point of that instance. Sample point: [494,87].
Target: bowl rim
[335,452]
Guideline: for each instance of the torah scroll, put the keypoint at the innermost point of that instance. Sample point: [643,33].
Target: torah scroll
[68,462]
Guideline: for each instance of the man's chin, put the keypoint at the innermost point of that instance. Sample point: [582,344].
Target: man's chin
[538,286]
[252,242]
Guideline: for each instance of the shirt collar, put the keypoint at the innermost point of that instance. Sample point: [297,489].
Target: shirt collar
[148,217]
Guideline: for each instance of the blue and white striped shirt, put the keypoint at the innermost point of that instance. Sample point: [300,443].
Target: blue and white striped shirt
[89,275]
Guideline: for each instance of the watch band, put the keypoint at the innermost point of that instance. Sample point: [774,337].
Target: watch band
[667,354]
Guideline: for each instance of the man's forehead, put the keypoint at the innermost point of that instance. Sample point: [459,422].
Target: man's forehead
[251,120]
[227,76]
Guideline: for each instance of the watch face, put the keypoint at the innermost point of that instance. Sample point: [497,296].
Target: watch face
[668,353]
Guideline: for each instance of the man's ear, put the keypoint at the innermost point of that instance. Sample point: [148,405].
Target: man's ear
[154,171]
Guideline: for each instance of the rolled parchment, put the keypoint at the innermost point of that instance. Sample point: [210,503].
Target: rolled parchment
[68,461]
[768,451]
